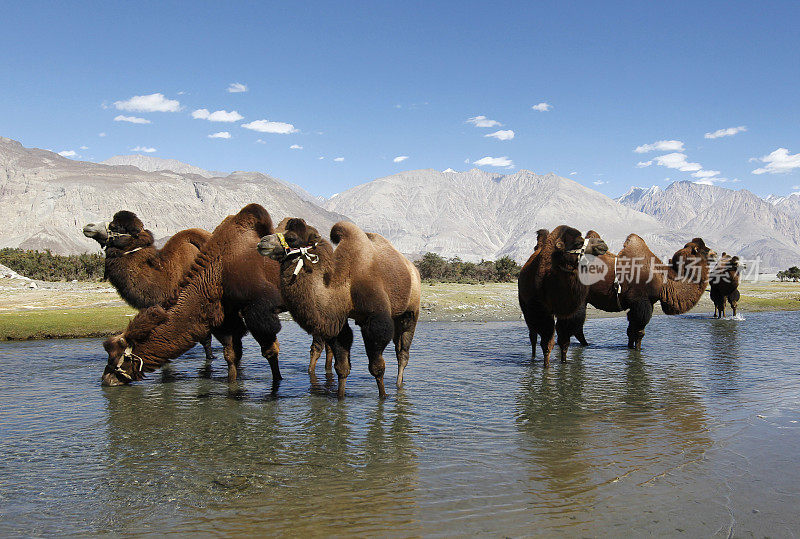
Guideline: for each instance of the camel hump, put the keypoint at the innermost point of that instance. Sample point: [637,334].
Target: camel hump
[195,236]
[345,230]
[633,240]
[259,218]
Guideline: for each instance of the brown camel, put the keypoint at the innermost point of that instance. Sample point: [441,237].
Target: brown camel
[318,343]
[143,275]
[725,284]
[229,289]
[603,294]
[365,279]
[645,280]
[549,285]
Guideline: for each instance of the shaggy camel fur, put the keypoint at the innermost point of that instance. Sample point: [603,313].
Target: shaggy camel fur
[365,279]
[725,284]
[229,289]
[318,343]
[645,280]
[143,275]
[549,285]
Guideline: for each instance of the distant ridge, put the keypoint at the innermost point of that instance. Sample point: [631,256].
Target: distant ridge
[148,163]
[45,199]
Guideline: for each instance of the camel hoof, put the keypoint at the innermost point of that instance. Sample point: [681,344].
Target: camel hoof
[340,389]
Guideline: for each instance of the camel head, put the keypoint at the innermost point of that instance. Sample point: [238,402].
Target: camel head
[690,261]
[704,251]
[282,246]
[125,231]
[569,247]
[124,365]
[98,232]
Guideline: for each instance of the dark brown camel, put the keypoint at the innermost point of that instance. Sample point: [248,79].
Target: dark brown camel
[549,285]
[645,280]
[365,279]
[603,294]
[229,289]
[318,343]
[725,284]
[143,275]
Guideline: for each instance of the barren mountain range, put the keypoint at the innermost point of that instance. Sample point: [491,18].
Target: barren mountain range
[45,199]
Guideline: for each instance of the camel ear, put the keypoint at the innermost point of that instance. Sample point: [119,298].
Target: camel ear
[115,342]
[560,245]
[695,249]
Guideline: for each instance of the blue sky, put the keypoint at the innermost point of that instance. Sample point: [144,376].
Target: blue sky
[374,81]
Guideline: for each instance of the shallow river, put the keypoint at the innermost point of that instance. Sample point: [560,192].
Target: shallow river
[697,434]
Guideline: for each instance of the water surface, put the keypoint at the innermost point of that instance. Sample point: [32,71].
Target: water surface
[698,434]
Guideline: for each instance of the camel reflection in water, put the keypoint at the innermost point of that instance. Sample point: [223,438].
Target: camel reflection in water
[589,433]
[180,455]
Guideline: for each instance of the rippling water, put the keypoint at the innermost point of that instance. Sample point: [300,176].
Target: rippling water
[697,433]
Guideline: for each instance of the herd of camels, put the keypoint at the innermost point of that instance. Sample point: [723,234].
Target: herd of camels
[240,277]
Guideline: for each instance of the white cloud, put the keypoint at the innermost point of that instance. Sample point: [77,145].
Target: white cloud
[321,157]
[131,119]
[265,126]
[294,146]
[466,161]
[237,88]
[705,173]
[502,134]
[143,149]
[149,103]
[779,162]
[729,132]
[217,115]
[795,187]
[642,164]
[483,121]
[572,173]
[661,146]
[338,159]
[67,153]
[400,158]
[101,134]
[494,162]
[677,161]
[542,107]
[599,182]
[261,141]
[84,147]
[220,134]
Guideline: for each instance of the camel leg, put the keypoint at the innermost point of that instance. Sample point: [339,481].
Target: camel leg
[404,327]
[638,317]
[529,317]
[564,329]
[328,359]
[263,323]
[229,353]
[341,345]
[317,344]
[377,331]
[206,342]
[733,298]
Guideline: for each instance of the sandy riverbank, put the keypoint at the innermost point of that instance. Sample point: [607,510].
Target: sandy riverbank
[39,310]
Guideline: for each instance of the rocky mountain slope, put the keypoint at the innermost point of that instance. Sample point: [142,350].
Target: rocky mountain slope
[45,199]
[478,214]
[733,221]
